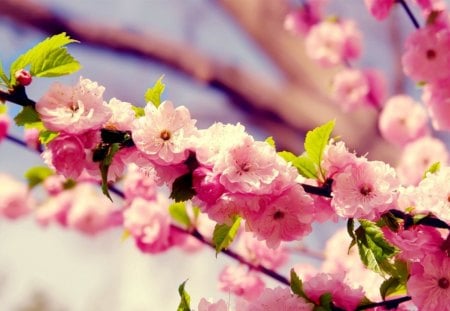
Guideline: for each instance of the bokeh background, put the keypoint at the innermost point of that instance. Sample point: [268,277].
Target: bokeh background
[226,60]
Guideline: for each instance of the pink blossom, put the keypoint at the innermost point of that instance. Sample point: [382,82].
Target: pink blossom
[377,88]
[285,217]
[258,253]
[365,190]
[418,156]
[300,21]
[241,281]
[74,109]
[213,142]
[66,154]
[31,137]
[403,120]
[331,43]
[122,116]
[4,125]
[416,242]
[138,184]
[23,77]
[206,185]
[54,184]
[433,194]
[429,283]
[279,299]
[436,97]
[336,158]
[15,199]
[227,206]
[149,223]
[323,211]
[248,168]
[305,271]
[90,211]
[379,8]
[426,57]
[55,209]
[164,132]
[350,89]
[343,296]
[205,305]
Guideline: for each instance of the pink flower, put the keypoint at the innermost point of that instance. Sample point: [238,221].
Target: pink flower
[248,168]
[343,296]
[54,184]
[377,88]
[336,158]
[379,8]
[416,242]
[138,184]
[66,154]
[206,185]
[300,21]
[227,206]
[418,156]
[122,117]
[433,194]
[15,200]
[436,97]
[205,305]
[164,132]
[241,281]
[55,209]
[75,109]
[426,57]
[4,125]
[149,223]
[90,211]
[258,253]
[279,299]
[350,89]
[403,120]
[331,43]
[285,217]
[31,137]
[364,190]
[429,283]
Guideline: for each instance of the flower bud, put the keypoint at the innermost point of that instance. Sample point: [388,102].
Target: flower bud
[23,77]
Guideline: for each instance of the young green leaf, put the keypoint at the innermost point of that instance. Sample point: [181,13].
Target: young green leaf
[27,116]
[3,75]
[179,213]
[48,58]
[302,163]
[104,167]
[393,286]
[37,175]
[270,141]
[47,136]
[316,141]
[224,234]
[434,168]
[297,285]
[3,108]
[374,250]
[326,300]
[138,111]
[154,93]
[182,189]
[185,298]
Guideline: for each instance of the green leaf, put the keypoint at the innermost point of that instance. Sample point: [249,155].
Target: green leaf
[185,298]
[48,58]
[37,175]
[153,94]
[351,233]
[434,168]
[224,234]
[392,287]
[270,141]
[3,108]
[303,164]
[316,141]
[47,136]
[179,213]
[326,300]
[3,75]
[26,116]
[297,285]
[104,167]
[374,250]
[182,189]
[138,111]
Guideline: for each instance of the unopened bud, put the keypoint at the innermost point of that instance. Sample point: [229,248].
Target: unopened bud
[23,77]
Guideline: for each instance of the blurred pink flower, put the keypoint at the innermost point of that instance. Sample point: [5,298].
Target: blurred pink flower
[241,281]
[15,199]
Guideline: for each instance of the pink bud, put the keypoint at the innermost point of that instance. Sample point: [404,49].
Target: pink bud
[23,77]
[4,125]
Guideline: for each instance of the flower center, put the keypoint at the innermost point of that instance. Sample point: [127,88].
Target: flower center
[365,190]
[444,283]
[278,215]
[431,54]
[165,135]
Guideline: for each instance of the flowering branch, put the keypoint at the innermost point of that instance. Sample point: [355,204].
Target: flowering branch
[409,13]
[389,304]
[17,96]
